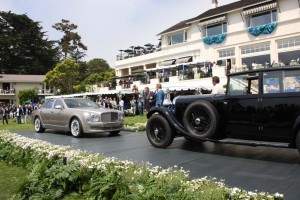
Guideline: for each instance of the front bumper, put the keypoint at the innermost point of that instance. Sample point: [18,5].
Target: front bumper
[98,127]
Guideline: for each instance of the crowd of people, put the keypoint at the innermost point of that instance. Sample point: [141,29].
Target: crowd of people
[18,112]
[139,103]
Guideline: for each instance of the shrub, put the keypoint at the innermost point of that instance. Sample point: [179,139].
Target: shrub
[58,170]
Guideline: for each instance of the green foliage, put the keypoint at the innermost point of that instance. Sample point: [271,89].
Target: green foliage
[97,66]
[24,95]
[64,76]
[93,177]
[51,180]
[132,120]
[94,79]
[107,74]
[24,49]
[70,44]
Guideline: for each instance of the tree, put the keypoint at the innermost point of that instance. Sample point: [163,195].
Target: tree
[23,47]
[97,65]
[70,44]
[25,95]
[64,76]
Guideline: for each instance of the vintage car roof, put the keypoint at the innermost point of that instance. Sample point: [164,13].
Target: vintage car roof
[266,69]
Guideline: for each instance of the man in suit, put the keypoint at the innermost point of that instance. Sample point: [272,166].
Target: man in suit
[149,99]
[159,95]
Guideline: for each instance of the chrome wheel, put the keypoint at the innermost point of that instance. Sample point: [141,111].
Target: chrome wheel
[75,127]
[38,125]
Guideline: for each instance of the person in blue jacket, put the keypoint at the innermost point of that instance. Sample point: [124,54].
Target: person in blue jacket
[159,95]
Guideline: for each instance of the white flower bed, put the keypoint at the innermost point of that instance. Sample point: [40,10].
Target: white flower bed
[99,162]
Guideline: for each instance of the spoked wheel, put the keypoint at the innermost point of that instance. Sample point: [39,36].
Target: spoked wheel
[201,119]
[76,128]
[38,125]
[159,132]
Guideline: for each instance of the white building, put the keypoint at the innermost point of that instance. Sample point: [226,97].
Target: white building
[241,32]
[11,84]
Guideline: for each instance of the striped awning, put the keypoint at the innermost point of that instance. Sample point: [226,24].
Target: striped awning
[167,62]
[261,8]
[213,21]
[183,60]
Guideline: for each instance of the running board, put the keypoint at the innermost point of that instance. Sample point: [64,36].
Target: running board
[252,143]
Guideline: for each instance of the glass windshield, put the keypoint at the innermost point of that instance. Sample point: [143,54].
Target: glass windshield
[80,103]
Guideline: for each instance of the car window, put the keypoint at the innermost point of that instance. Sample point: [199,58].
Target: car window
[291,81]
[245,84]
[49,104]
[79,103]
[58,103]
[271,82]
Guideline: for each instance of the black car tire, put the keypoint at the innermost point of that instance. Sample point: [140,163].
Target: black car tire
[201,119]
[38,125]
[114,132]
[76,128]
[159,131]
[298,141]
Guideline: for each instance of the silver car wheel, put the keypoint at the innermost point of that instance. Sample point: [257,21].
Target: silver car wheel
[75,127]
[38,125]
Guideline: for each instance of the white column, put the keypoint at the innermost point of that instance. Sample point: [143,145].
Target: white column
[273,52]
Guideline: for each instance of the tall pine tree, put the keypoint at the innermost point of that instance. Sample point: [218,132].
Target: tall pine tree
[24,48]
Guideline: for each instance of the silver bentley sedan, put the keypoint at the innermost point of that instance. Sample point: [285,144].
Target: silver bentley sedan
[77,115]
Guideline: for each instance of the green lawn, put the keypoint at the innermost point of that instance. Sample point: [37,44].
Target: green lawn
[13,126]
[131,120]
[11,178]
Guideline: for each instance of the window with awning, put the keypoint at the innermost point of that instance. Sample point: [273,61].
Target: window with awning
[260,8]
[213,21]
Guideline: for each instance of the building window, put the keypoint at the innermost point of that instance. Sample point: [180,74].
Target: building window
[177,38]
[290,42]
[215,29]
[255,48]
[226,53]
[261,18]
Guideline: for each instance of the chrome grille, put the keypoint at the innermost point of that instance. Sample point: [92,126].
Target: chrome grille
[109,117]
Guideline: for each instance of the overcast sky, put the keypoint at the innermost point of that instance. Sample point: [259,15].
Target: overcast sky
[106,26]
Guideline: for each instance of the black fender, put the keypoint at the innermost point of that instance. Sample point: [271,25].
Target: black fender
[164,111]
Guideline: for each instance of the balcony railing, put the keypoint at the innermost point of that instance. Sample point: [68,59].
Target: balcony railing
[47,91]
[7,91]
[136,52]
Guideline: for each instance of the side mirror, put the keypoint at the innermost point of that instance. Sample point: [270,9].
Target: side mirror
[58,107]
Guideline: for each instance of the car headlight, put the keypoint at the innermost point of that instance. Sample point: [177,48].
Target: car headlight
[95,118]
[121,116]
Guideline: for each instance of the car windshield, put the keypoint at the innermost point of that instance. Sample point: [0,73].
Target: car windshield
[80,103]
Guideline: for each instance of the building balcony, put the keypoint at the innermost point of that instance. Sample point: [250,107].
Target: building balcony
[136,52]
[47,92]
[7,91]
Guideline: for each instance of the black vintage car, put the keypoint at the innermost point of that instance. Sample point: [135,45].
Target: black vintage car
[260,108]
